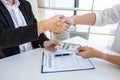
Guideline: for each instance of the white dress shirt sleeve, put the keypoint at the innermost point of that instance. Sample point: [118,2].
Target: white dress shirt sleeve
[108,16]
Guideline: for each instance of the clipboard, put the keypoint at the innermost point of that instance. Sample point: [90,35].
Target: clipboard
[52,64]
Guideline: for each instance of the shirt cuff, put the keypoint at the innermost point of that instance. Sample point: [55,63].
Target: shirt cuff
[97,21]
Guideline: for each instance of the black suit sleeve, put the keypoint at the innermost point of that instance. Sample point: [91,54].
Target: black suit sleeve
[14,37]
[31,19]
[9,36]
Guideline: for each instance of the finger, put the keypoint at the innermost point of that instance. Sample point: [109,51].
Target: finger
[67,25]
[55,42]
[53,49]
[57,18]
[82,48]
[57,32]
[64,27]
[62,21]
[60,17]
[70,20]
[59,23]
[82,54]
[79,53]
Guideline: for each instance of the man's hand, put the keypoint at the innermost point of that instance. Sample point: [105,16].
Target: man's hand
[50,45]
[69,21]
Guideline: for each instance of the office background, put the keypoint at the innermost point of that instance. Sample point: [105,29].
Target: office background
[103,36]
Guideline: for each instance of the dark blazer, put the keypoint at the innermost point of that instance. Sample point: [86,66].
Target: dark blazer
[11,38]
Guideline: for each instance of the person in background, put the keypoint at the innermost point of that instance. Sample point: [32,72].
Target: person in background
[107,16]
[20,31]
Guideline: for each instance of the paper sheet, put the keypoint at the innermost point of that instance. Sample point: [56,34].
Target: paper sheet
[64,63]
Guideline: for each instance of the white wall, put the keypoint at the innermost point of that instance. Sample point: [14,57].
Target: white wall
[38,13]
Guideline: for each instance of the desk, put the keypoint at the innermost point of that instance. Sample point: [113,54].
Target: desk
[27,66]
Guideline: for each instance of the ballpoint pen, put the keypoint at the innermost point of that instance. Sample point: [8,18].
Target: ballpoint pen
[65,54]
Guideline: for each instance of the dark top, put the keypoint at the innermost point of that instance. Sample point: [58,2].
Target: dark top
[11,38]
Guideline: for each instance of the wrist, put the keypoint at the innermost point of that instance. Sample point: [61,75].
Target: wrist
[102,55]
[72,19]
[98,54]
[41,26]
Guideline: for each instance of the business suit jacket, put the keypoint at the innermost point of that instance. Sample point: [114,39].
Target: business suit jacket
[10,39]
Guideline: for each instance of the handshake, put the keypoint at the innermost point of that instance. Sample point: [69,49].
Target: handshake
[56,24]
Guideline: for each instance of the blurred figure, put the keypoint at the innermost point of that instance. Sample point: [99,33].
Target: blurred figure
[107,16]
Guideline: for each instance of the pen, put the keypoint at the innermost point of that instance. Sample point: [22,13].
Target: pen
[65,54]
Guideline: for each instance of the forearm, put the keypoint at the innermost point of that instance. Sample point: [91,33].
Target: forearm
[87,19]
[15,37]
[111,58]
[41,26]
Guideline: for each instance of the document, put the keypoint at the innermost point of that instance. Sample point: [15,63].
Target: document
[63,60]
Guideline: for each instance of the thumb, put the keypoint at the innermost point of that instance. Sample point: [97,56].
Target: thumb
[82,54]
[62,19]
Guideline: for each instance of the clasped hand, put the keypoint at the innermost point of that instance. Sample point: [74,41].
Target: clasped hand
[58,24]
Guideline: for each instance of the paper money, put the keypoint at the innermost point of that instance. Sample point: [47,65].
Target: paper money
[68,46]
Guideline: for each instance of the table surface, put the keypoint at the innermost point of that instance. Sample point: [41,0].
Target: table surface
[27,66]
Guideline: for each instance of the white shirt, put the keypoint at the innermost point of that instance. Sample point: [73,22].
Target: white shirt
[18,20]
[108,16]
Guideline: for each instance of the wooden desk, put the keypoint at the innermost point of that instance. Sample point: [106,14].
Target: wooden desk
[27,66]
